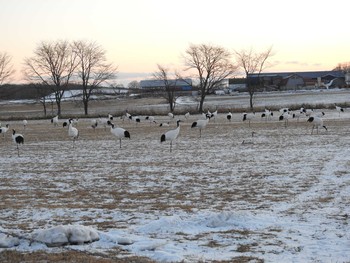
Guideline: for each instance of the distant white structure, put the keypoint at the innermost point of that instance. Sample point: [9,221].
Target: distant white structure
[219,92]
[347,78]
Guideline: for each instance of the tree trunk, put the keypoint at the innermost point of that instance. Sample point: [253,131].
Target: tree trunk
[200,110]
[45,111]
[58,108]
[251,101]
[171,103]
[43,102]
[85,102]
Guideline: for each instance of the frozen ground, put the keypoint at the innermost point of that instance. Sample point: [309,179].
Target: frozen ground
[281,196]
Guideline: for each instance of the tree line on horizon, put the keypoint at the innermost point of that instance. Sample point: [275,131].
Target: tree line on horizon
[57,66]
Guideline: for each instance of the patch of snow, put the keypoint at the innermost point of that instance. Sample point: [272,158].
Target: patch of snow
[8,241]
[66,235]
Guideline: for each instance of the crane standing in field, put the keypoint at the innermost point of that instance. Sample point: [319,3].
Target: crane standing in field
[54,121]
[72,131]
[316,123]
[171,135]
[229,116]
[201,124]
[119,133]
[248,117]
[18,139]
[3,130]
[25,123]
[339,109]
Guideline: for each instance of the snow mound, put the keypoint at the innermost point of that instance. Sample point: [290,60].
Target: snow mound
[124,241]
[66,235]
[8,241]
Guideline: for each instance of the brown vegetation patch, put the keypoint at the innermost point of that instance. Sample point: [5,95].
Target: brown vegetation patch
[12,256]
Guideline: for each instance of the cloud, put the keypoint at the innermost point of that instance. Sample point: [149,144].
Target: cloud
[126,77]
[295,62]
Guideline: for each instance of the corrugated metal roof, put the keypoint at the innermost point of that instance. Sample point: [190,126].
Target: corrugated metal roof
[160,83]
[304,74]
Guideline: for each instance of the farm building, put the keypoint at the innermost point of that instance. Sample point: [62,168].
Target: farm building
[237,85]
[301,80]
[297,80]
[178,84]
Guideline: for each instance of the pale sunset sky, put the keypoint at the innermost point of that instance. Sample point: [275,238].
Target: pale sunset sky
[139,34]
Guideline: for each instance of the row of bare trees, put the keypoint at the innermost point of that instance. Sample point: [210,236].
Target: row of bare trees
[210,65]
[59,63]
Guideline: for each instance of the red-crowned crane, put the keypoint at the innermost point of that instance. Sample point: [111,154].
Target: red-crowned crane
[18,139]
[286,116]
[307,112]
[339,109]
[54,121]
[119,133]
[25,123]
[171,135]
[94,124]
[136,119]
[200,124]
[72,131]
[3,130]
[171,115]
[248,117]
[214,115]
[229,116]
[151,119]
[316,123]
[164,124]
[267,114]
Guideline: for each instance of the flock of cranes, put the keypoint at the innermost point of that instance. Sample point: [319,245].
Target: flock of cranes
[285,114]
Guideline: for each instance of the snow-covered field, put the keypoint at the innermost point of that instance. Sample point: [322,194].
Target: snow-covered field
[281,196]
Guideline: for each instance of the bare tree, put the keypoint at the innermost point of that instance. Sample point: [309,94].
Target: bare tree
[252,63]
[53,64]
[212,64]
[345,67]
[169,91]
[93,70]
[134,84]
[41,95]
[6,67]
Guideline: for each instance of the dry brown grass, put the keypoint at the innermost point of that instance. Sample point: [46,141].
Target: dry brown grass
[11,256]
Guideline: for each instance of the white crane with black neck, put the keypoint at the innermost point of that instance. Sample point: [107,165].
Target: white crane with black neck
[72,131]
[200,124]
[316,122]
[18,139]
[119,132]
[171,135]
